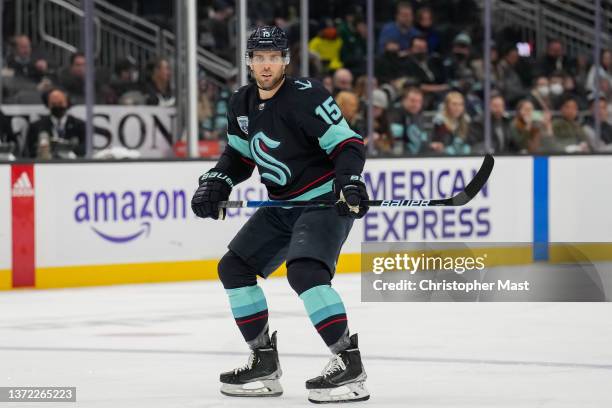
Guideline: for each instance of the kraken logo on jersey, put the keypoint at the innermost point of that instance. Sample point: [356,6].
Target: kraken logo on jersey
[279,171]
[243,122]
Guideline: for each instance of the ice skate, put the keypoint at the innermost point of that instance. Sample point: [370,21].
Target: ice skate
[342,380]
[258,378]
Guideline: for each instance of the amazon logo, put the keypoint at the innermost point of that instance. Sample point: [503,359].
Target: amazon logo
[122,217]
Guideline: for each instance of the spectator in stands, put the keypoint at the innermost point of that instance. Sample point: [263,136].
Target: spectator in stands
[327,45]
[125,79]
[422,71]
[158,84]
[540,94]
[509,80]
[451,125]
[73,78]
[343,80]
[348,103]
[501,137]
[556,88]
[555,59]
[219,28]
[605,71]
[527,131]
[24,63]
[8,139]
[457,66]
[478,65]
[424,24]
[603,142]
[381,136]
[570,88]
[354,45]
[569,137]
[400,31]
[58,135]
[407,124]
[390,65]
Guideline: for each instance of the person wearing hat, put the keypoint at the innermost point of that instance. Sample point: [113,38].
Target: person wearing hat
[457,66]
[381,137]
[327,44]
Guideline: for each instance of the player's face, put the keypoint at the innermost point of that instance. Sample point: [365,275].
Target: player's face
[268,67]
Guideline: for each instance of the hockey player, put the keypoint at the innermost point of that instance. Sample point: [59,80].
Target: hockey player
[293,132]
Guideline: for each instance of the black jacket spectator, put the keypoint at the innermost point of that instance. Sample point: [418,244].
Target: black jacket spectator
[501,136]
[72,130]
[556,60]
[157,88]
[354,47]
[25,63]
[58,135]
[6,131]
[390,66]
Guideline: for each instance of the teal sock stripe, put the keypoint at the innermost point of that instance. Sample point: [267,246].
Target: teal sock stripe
[246,301]
[322,302]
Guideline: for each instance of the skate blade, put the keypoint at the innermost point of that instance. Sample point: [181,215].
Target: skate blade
[351,392]
[260,388]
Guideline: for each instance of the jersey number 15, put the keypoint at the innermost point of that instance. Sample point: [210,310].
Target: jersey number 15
[329,111]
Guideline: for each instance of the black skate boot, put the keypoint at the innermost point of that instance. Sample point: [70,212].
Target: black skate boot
[342,380]
[258,378]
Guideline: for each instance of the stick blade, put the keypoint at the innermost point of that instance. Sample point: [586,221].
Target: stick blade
[477,183]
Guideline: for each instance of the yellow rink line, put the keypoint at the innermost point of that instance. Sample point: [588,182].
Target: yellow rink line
[94,275]
[6,279]
[97,275]
[580,252]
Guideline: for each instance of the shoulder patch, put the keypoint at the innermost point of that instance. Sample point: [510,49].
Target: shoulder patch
[304,84]
[243,122]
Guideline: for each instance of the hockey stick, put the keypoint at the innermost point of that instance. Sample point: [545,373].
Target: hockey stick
[460,199]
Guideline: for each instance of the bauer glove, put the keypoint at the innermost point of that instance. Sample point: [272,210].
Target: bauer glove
[350,192]
[214,186]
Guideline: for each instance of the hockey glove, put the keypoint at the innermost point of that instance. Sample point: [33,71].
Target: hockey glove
[214,186]
[350,191]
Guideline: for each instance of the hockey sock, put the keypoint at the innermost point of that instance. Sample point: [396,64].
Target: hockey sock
[327,314]
[250,311]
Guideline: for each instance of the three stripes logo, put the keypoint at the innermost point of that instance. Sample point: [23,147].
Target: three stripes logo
[23,186]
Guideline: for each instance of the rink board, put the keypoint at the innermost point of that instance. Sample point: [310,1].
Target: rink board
[112,223]
[580,197]
[5,227]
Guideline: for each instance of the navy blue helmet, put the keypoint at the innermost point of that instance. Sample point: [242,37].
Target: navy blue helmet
[268,38]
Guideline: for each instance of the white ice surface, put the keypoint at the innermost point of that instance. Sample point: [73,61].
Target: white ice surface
[163,345]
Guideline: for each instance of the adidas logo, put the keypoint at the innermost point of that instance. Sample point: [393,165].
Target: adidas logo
[23,186]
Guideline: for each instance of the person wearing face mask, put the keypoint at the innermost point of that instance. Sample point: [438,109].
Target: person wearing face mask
[422,71]
[124,80]
[540,94]
[58,135]
[557,91]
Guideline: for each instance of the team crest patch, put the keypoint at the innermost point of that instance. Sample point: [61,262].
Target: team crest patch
[243,122]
